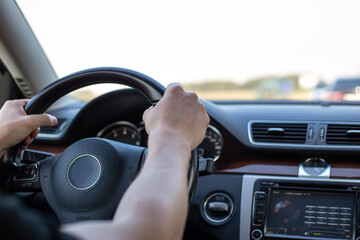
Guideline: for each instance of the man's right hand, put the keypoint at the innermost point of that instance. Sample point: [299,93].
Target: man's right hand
[178,113]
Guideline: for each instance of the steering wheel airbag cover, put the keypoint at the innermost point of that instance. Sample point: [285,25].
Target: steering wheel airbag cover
[119,161]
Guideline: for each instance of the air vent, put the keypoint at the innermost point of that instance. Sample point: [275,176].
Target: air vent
[53,130]
[279,132]
[343,134]
[24,87]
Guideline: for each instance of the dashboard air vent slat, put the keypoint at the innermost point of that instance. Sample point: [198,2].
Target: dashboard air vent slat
[292,132]
[343,134]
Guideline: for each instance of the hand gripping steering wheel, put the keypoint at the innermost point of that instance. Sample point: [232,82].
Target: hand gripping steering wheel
[88,179]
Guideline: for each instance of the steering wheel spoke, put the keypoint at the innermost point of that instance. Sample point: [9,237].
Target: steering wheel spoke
[26,169]
[25,178]
[33,156]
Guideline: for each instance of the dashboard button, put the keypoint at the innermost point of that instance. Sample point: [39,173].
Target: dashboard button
[260,204]
[259,212]
[267,183]
[258,221]
[311,133]
[256,234]
[322,134]
[260,196]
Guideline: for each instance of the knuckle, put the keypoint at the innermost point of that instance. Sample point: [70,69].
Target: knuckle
[176,88]
[8,103]
[145,114]
[193,96]
[207,119]
[202,106]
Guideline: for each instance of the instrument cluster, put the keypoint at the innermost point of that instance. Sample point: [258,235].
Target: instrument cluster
[127,132]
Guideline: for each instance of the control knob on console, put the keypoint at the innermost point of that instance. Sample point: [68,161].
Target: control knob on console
[217,209]
[256,234]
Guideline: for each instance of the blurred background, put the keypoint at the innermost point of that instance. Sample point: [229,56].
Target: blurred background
[223,50]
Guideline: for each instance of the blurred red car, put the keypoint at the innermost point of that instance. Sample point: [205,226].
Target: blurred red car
[345,89]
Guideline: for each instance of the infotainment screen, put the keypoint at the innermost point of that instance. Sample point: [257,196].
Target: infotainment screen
[310,214]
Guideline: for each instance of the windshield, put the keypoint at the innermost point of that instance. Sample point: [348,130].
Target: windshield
[230,49]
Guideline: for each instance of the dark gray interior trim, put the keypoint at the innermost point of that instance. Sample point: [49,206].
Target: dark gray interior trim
[21,51]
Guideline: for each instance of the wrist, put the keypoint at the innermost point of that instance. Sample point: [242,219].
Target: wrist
[170,139]
[167,143]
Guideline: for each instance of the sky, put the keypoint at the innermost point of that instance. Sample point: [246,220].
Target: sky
[199,40]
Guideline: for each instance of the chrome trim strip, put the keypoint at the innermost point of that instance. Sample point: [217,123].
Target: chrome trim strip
[213,220]
[97,179]
[55,136]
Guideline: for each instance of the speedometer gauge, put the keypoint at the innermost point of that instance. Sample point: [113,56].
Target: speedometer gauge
[212,144]
[124,132]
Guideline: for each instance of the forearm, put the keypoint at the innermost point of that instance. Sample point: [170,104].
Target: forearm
[158,197]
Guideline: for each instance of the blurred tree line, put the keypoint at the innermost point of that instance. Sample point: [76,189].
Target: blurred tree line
[252,84]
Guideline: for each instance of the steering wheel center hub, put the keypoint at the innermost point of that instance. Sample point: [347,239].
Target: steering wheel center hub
[84,171]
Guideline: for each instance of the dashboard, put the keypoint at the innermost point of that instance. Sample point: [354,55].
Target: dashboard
[282,170]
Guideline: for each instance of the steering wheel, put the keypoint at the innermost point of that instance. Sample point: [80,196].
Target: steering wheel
[88,179]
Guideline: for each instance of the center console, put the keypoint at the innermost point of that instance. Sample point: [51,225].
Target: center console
[294,208]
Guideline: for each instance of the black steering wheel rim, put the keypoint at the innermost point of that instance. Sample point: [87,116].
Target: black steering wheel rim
[150,88]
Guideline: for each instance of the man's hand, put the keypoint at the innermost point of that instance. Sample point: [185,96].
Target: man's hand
[17,126]
[178,113]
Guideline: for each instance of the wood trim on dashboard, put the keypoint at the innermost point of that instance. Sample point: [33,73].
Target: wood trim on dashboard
[236,159]
[48,148]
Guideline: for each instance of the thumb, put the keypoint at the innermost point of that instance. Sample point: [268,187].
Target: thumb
[146,113]
[44,119]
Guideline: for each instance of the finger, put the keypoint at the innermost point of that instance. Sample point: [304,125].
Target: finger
[21,102]
[193,96]
[146,112]
[27,141]
[18,102]
[42,120]
[35,133]
[173,84]
[174,88]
